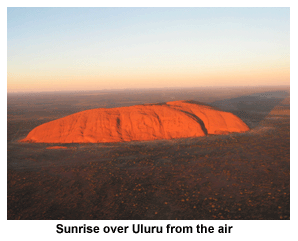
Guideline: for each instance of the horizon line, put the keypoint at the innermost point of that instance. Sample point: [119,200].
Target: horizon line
[158,88]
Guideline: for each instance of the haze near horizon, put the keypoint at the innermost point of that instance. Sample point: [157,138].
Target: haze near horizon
[69,49]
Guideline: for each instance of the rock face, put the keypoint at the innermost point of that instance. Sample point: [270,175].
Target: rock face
[177,119]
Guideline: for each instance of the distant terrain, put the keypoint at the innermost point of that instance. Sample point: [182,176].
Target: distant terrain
[235,176]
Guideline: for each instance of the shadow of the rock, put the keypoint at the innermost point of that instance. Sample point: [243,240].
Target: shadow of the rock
[252,109]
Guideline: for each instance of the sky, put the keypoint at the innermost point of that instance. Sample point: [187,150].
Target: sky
[77,49]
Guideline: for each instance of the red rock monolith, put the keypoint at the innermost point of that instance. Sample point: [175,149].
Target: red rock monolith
[177,119]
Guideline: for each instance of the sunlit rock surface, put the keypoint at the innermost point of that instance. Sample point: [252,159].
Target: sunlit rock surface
[177,119]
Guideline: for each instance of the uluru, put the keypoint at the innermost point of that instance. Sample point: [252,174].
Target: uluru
[171,120]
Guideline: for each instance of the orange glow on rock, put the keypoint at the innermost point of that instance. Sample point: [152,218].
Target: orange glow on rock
[177,119]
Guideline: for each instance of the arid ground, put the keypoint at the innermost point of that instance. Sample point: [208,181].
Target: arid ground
[236,176]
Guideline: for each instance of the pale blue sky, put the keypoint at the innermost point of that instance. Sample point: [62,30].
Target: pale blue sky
[108,45]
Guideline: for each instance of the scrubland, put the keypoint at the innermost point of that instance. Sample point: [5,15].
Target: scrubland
[235,176]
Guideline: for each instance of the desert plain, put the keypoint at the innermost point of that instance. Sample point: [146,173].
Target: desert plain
[234,176]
